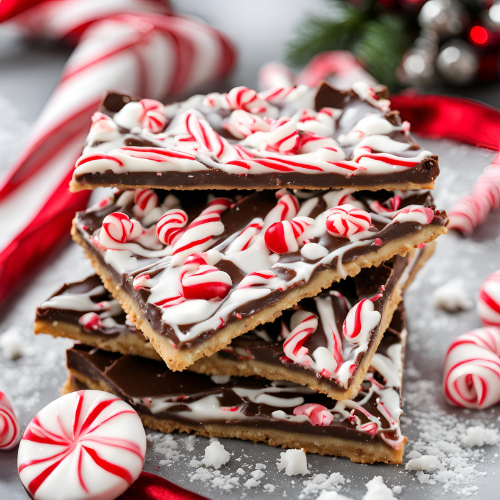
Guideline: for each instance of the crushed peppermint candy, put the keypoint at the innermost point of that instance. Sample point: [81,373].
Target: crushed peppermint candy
[293,462]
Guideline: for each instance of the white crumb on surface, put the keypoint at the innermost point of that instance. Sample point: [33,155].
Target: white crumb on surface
[216,455]
[240,471]
[322,482]
[216,479]
[397,489]
[165,445]
[377,490]
[269,488]
[260,466]
[11,343]
[257,474]
[293,462]
[426,463]
[332,495]
[251,483]
[479,436]
[194,463]
[189,442]
[452,297]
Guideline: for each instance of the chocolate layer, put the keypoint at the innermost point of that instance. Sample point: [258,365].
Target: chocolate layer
[375,165]
[196,400]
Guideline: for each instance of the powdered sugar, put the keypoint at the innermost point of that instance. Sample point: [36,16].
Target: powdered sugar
[427,463]
[479,436]
[377,490]
[216,455]
[452,296]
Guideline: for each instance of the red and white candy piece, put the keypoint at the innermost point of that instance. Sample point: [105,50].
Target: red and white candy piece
[103,129]
[415,213]
[90,321]
[84,445]
[283,136]
[241,124]
[317,414]
[145,200]
[472,369]
[199,280]
[281,237]
[488,305]
[347,220]
[257,278]
[9,427]
[245,238]
[119,228]
[200,234]
[360,321]
[147,113]
[293,346]
[237,98]
[170,226]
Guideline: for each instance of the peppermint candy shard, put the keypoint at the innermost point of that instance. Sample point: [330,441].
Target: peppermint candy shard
[145,200]
[77,439]
[281,237]
[488,304]
[169,227]
[347,220]
[317,414]
[9,426]
[415,213]
[119,228]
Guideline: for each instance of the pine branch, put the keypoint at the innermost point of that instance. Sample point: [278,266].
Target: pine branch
[320,34]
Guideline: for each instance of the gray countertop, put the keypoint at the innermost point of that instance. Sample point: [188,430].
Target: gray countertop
[35,379]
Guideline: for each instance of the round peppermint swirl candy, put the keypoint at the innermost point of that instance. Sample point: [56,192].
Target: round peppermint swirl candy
[145,200]
[347,220]
[147,113]
[472,369]
[488,305]
[9,427]
[84,445]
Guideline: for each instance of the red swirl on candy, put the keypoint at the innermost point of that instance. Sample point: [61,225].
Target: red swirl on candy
[488,305]
[9,427]
[472,369]
[169,227]
[283,136]
[281,237]
[243,124]
[347,220]
[393,202]
[90,321]
[317,414]
[422,215]
[245,238]
[145,200]
[118,228]
[88,444]
[256,278]
[360,321]
[293,346]
[237,98]
[147,114]
[204,136]
[199,280]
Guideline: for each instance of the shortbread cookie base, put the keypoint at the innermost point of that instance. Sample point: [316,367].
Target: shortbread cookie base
[126,343]
[180,359]
[364,453]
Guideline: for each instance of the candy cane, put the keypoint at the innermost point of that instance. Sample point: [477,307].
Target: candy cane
[9,427]
[286,209]
[245,238]
[80,437]
[293,345]
[284,95]
[360,321]
[200,234]
[257,278]
[283,136]
[472,369]
[169,227]
[317,414]
[281,237]
[488,305]
[241,124]
[119,228]
[347,220]
[415,213]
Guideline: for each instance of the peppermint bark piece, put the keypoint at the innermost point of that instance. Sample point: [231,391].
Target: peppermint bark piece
[333,364]
[211,275]
[365,429]
[284,138]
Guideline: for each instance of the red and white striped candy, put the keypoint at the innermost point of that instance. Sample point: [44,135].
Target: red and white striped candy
[245,238]
[347,220]
[169,227]
[281,237]
[317,414]
[293,345]
[257,278]
[204,136]
[283,136]
[320,122]
[393,203]
[145,200]
[201,281]
[488,305]
[237,98]
[360,321]
[9,427]
[415,213]
[241,124]
[90,321]
[84,445]
[147,113]
[472,369]
[286,209]
[284,95]
[103,128]
[200,234]
[118,228]
[466,215]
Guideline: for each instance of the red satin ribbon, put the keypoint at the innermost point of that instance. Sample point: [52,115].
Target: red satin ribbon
[441,117]
[151,487]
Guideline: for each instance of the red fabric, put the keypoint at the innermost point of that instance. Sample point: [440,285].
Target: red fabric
[441,117]
[151,487]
